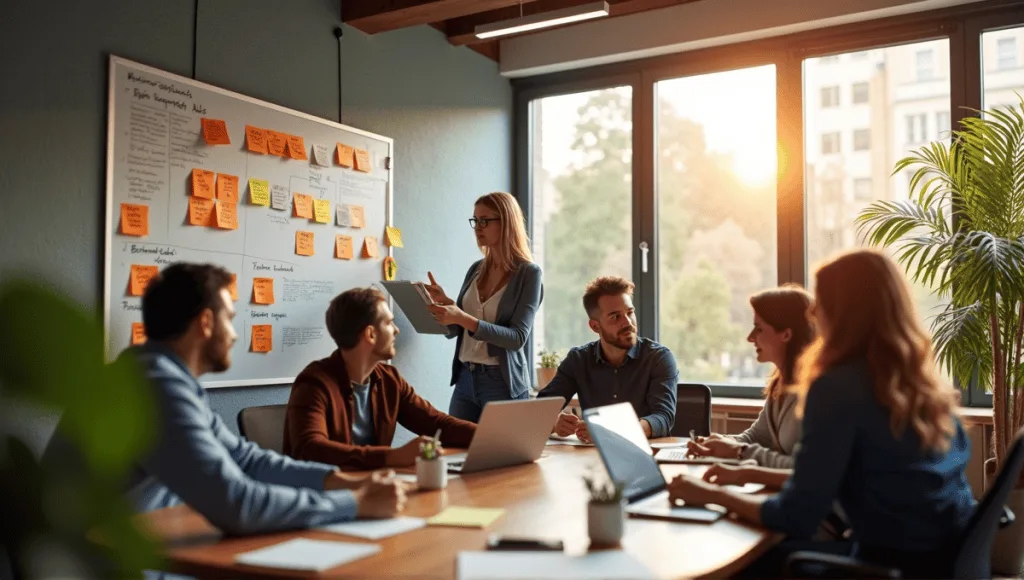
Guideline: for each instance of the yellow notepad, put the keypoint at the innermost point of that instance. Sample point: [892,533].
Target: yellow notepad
[466,517]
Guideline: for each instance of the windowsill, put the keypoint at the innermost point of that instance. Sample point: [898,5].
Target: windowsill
[972,415]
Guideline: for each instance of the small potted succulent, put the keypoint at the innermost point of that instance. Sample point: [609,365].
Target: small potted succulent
[606,510]
[431,469]
[549,360]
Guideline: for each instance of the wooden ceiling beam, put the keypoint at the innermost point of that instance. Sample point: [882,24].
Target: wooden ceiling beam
[373,16]
[461,30]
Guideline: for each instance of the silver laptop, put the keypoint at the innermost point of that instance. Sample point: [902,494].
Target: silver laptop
[509,433]
[626,454]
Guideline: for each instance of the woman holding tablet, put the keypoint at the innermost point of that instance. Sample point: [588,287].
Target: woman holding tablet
[492,319]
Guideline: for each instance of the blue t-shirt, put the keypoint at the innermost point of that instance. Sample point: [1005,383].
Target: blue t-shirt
[362,423]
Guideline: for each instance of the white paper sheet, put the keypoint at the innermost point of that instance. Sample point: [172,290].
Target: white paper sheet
[376,529]
[570,440]
[679,442]
[304,554]
[604,565]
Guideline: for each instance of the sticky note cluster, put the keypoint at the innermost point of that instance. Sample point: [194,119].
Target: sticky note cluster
[214,200]
[270,142]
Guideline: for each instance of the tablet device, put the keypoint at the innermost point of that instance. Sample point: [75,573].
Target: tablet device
[413,299]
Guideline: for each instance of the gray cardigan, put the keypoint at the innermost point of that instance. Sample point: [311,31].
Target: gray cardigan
[510,332]
[774,435]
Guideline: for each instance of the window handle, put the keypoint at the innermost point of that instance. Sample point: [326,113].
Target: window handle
[643,257]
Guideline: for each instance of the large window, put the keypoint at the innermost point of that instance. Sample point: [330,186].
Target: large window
[1003,78]
[716,218]
[582,159]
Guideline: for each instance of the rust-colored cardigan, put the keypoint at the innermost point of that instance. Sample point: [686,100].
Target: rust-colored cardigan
[318,423]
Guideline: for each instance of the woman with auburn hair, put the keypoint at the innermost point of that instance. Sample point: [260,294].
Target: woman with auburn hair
[880,432]
[492,319]
[782,330]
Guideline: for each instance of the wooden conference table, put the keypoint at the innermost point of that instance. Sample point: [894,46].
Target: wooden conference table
[542,499]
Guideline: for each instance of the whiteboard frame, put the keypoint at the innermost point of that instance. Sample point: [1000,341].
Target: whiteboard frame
[109,231]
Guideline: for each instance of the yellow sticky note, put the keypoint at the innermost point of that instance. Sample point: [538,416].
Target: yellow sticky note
[346,155]
[343,247]
[140,277]
[138,333]
[262,338]
[393,236]
[202,183]
[277,143]
[297,148]
[369,247]
[466,517]
[233,287]
[322,211]
[303,205]
[304,243]
[363,160]
[227,187]
[134,219]
[358,216]
[256,139]
[227,215]
[259,192]
[215,131]
[263,290]
[200,211]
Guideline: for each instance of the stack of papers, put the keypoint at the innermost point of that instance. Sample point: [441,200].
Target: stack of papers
[466,517]
[570,440]
[667,444]
[376,529]
[303,554]
[604,565]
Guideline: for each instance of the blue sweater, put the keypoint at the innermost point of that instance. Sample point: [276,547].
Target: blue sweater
[895,495]
[233,483]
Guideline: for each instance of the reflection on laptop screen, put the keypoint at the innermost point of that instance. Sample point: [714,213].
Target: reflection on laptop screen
[624,449]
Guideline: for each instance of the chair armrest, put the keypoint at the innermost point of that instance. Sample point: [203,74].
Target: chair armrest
[820,565]
[1006,518]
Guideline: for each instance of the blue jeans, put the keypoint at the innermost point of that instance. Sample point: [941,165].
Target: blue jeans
[476,386]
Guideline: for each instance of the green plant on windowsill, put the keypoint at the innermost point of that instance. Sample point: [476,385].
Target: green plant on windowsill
[549,359]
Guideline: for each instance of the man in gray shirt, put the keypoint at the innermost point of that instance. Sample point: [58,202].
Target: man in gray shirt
[240,488]
[619,367]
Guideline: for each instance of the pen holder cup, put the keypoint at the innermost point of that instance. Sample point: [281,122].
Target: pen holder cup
[606,522]
[431,473]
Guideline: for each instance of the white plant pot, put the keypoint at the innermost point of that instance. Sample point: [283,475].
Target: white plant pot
[431,473]
[606,522]
[1008,547]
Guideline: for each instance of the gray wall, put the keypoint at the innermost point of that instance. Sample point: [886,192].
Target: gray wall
[447,109]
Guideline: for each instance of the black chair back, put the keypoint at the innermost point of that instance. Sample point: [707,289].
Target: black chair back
[693,410]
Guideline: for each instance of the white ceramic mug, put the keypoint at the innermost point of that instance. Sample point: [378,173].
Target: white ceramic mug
[431,473]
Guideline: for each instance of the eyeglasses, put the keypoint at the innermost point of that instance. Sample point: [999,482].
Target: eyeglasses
[482,223]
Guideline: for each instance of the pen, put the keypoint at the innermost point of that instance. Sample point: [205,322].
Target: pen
[575,412]
[437,436]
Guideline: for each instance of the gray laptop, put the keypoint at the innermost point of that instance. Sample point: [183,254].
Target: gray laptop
[509,433]
[627,457]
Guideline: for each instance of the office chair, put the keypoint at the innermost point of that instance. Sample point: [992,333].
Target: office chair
[693,410]
[263,425]
[971,553]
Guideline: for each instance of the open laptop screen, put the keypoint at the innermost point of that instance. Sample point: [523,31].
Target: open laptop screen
[624,449]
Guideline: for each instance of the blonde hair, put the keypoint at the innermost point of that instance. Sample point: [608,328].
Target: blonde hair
[863,299]
[514,247]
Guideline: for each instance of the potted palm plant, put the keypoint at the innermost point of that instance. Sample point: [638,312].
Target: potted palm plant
[549,360]
[961,232]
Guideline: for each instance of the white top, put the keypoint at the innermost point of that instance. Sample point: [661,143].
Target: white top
[475,351]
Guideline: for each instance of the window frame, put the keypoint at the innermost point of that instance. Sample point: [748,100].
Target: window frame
[962,25]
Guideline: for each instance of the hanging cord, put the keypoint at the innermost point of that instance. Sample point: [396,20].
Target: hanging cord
[195,37]
[337,34]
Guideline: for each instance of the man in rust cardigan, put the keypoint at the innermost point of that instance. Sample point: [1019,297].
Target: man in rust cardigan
[343,409]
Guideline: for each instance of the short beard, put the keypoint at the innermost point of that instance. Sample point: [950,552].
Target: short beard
[614,340]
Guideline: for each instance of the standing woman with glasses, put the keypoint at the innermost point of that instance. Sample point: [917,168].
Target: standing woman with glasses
[492,319]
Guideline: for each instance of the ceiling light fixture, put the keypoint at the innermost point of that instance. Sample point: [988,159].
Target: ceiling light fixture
[542,20]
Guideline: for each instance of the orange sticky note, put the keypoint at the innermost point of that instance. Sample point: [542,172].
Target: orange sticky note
[345,155]
[322,211]
[358,216]
[227,215]
[297,147]
[138,333]
[202,183]
[277,143]
[233,287]
[200,211]
[369,247]
[227,187]
[259,192]
[134,219]
[262,338]
[343,247]
[263,290]
[256,139]
[393,236]
[303,205]
[215,131]
[363,160]
[304,243]
[140,277]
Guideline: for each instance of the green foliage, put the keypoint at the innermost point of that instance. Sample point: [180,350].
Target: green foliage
[549,359]
[53,359]
[602,489]
[431,450]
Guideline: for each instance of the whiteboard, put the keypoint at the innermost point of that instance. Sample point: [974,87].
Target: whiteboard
[155,140]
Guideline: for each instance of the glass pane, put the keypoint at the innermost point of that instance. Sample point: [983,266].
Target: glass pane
[716,177]
[1003,67]
[582,191]
[906,106]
